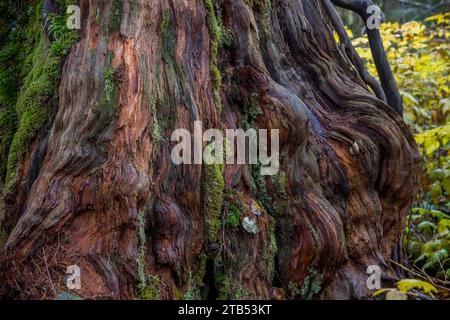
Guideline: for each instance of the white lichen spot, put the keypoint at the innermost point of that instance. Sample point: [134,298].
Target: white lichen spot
[250,225]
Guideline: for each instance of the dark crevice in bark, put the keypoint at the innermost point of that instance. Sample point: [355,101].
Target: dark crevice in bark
[209,291]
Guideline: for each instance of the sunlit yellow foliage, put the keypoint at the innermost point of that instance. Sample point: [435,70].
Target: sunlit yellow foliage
[349,32]
[419,56]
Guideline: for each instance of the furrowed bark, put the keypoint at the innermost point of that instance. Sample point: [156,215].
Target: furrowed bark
[107,197]
[379,55]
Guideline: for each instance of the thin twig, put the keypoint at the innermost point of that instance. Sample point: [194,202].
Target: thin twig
[424,277]
[48,272]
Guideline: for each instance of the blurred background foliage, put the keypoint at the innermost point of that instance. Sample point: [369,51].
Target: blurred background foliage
[400,11]
[418,49]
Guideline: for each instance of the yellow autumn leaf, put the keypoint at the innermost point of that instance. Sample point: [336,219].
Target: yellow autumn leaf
[407,285]
[381,291]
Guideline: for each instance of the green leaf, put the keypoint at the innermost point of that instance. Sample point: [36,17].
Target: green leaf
[446,185]
[439,174]
[432,246]
[426,227]
[445,105]
[408,98]
[443,226]
[439,214]
[436,259]
[435,191]
[431,145]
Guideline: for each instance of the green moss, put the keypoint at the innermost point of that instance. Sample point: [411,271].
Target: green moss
[294,289]
[258,186]
[15,46]
[177,294]
[149,287]
[116,15]
[273,237]
[8,125]
[234,205]
[35,105]
[216,34]
[265,7]
[266,23]
[252,110]
[108,78]
[271,250]
[193,292]
[195,282]
[280,180]
[199,275]
[156,130]
[38,97]
[141,258]
[153,289]
[223,282]
[64,37]
[10,69]
[260,191]
[213,198]
[234,217]
[168,38]
[230,290]
[165,21]
[240,293]
[311,286]
[106,108]
[252,107]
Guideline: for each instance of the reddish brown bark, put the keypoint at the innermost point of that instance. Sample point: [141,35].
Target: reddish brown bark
[347,176]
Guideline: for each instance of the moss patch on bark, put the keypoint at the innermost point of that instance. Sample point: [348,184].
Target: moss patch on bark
[213,199]
[38,97]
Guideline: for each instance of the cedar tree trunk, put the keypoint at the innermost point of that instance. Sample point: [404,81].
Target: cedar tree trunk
[95,185]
